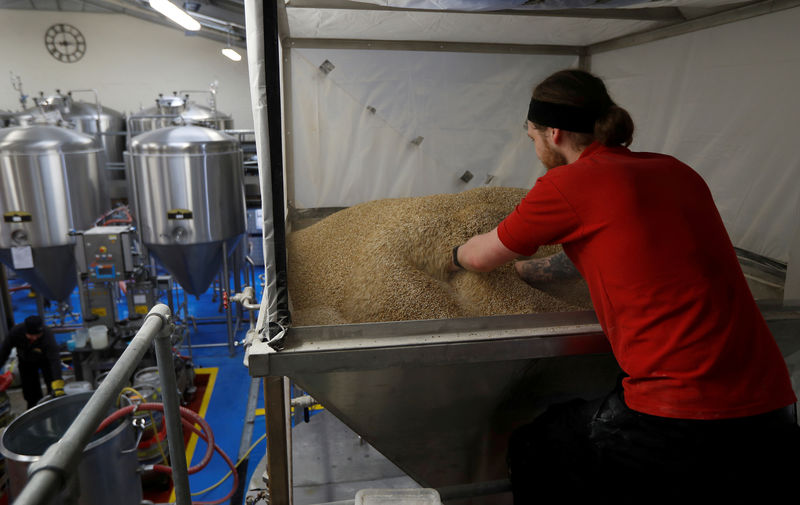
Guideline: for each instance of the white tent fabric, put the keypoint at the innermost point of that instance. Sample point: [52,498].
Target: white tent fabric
[724,100]
[720,99]
[469,110]
[456,27]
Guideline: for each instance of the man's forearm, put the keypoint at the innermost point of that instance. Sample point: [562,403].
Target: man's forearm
[482,253]
[552,268]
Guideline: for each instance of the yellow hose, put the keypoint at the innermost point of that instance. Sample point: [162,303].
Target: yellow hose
[204,491]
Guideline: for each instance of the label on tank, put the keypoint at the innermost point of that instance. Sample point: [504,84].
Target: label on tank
[17,217]
[179,214]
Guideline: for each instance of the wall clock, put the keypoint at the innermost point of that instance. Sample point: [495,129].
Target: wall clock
[65,42]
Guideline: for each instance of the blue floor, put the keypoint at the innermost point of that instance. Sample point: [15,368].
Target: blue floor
[228,399]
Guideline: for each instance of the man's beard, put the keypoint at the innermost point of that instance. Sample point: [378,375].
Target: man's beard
[550,158]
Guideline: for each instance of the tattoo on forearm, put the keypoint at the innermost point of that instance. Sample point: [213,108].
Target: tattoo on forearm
[551,268]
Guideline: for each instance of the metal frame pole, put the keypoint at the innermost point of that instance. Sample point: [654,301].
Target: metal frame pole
[6,312]
[279,440]
[51,472]
[225,288]
[169,392]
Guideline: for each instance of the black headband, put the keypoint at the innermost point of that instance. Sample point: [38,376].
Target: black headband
[565,117]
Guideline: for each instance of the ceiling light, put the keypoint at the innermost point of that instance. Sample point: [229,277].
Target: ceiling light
[175,14]
[230,53]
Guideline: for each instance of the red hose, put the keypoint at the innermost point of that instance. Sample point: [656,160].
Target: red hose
[227,460]
[185,413]
[206,434]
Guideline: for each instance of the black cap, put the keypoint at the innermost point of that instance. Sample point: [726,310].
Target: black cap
[34,325]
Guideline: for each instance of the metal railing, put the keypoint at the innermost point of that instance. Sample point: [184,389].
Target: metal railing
[52,471]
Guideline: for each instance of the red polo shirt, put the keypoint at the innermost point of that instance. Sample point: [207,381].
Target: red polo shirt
[669,293]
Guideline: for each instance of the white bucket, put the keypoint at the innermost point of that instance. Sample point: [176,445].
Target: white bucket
[73,388]
[81,338]
[98,336]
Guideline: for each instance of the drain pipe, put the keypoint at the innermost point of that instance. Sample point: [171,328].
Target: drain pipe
[247,299]
[49,475]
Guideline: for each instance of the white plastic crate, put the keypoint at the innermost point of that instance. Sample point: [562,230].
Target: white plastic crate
[424,496]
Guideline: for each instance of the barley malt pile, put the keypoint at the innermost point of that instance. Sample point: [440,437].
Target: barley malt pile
[387,260]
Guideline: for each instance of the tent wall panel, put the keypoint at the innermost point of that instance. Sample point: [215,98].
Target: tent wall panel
[724,101]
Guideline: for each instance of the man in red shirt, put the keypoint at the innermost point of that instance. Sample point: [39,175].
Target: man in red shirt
[705,410]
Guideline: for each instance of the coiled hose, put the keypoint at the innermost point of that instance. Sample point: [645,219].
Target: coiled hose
[188,419]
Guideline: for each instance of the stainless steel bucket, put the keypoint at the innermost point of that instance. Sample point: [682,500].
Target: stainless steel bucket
[107,472]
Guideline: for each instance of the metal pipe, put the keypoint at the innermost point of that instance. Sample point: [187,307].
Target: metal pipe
[6,312]
[237,277]
[99,110]
[49,474]
[731,15]
[303,402]
[206,319]
[169,392]
[225,295]
[252,264]
[201,346]
[247,300]
[40,306]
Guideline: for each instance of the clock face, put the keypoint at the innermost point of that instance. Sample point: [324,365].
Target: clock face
[65,43]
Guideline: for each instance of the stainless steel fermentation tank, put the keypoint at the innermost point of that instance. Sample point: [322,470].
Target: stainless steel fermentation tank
[188,191]
[52,181]
[172,110]
[93,119]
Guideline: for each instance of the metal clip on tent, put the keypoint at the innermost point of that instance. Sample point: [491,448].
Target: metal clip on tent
[276,335]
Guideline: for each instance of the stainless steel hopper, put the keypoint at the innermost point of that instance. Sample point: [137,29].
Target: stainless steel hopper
[439,398]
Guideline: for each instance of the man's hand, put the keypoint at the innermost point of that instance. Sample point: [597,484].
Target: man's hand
[483,253]
[557,267]
[58,387]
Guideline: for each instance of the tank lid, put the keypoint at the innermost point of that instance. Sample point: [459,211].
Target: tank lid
[197,112]
[69,108]
[87,109]
[183,140]
[190,112]
[45,138]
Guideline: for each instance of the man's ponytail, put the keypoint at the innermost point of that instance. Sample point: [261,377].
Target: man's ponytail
[614,128]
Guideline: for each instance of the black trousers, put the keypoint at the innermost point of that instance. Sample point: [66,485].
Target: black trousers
[31,385]
[603,452]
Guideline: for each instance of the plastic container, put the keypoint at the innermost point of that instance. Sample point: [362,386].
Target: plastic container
[98,336]
[71,344]
[81,338]
[73,388]
[423,496]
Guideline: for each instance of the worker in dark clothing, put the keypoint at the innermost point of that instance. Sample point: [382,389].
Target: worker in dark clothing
[36,350]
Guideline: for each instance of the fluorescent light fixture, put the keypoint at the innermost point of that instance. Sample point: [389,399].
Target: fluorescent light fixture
[175,14]
[230,53]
